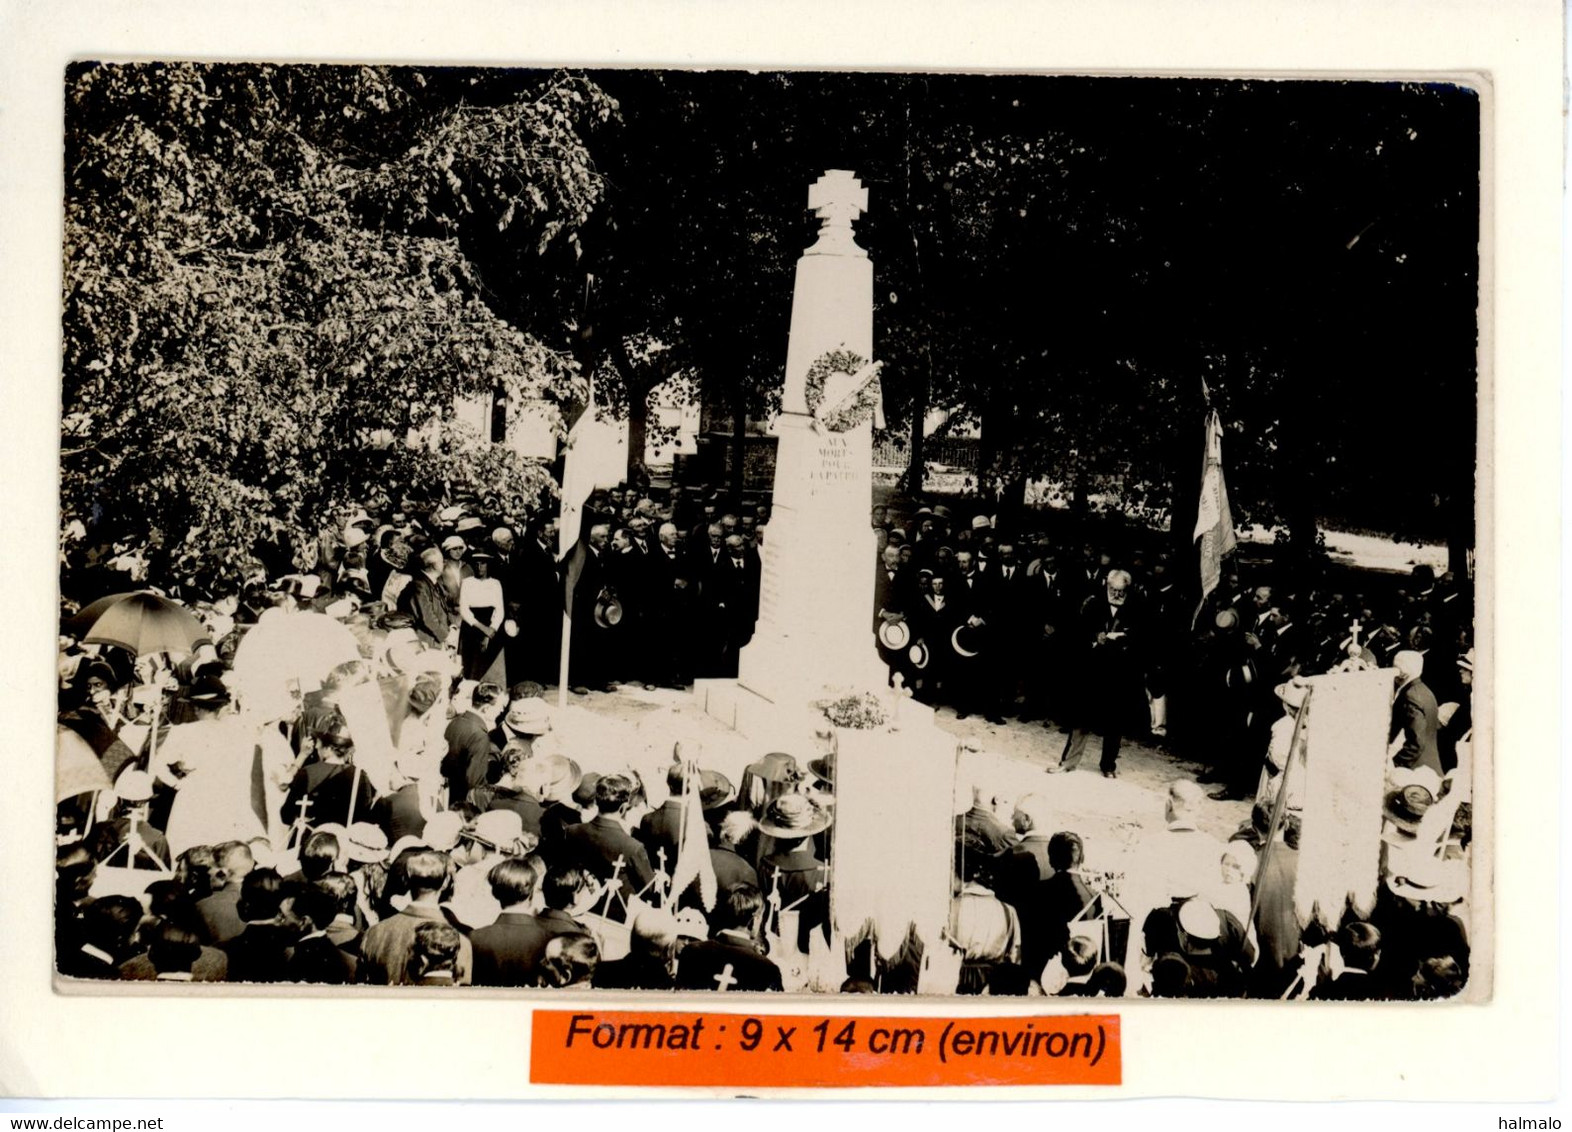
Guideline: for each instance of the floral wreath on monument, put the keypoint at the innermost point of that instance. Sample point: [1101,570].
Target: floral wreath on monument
[842,390]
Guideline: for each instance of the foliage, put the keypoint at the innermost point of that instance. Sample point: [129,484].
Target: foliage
[265,268]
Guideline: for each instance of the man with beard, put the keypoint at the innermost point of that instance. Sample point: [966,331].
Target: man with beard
[1111,668]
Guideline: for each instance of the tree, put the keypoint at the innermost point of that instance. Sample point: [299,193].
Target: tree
[266,282]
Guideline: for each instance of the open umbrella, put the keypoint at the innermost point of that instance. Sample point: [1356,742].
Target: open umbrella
[284,652]
[146,623]
[77,768]
[82,620]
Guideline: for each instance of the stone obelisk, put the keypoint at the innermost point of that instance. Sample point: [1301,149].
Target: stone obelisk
[814,633]
[814,638]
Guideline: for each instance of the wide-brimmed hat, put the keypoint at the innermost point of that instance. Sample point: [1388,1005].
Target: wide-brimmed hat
[918,654]
[531,715]
[502,830]
[443,829]
[1416,873]
[134,786]
[548,776]
[715,790]
[355,536]
[1291,693]
[980,521]
[824,768]
[966,641]
[794,815]
[894,635]
[1405,808]
[208,691]
[453,542]
[365,842]
[777,766]
[1198,919]
[608,611]
[584,792]
[469,523]
[1225,619]
[422,694]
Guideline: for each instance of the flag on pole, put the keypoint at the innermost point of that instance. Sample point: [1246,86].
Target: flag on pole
[578,480]
[693,846]
[578,477]
[1214,523]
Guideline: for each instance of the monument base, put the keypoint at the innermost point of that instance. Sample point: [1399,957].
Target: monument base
[789,726]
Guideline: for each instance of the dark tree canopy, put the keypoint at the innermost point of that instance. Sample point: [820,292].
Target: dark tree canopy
[266,266]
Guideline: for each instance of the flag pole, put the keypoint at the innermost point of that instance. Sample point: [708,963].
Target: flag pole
[562,663]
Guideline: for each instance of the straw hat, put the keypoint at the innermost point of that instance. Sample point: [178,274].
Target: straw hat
[531,716]
[792,816]
[894,635]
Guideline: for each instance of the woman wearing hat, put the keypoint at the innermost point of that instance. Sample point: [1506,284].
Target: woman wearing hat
[793,820]
[480,616]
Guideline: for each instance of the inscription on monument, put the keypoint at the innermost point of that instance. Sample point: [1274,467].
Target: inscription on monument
[834,462]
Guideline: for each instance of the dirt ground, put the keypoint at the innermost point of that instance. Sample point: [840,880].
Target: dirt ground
[638,728]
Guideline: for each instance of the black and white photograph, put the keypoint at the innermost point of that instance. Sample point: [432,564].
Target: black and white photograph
[813,532]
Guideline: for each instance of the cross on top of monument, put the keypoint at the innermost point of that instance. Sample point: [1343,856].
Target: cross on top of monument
[837,199]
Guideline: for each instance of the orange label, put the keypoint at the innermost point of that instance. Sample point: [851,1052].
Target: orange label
[676,1048]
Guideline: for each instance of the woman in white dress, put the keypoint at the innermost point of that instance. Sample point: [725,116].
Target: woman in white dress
[480,615]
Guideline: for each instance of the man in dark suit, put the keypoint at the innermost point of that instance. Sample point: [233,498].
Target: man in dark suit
[1047,627]
[220,922]
[106,930]
[315,957]
[706,559]
[975,689]
[892,591]
[739,582]
[424,600]
[732,958]
[533,592]
[1359,950]
[933,618]
[471,756]
[1020,867]
[671,592]
[1415,717]
[660,828]
[984,822]
[650,962]
[600,845]
[585,575]
[1111,669]
[507,952]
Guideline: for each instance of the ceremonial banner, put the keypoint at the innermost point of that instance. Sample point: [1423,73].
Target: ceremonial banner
[1345,773]
[1214,523]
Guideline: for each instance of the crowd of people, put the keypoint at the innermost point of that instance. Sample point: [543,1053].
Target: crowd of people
[233,843]
[999,623]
